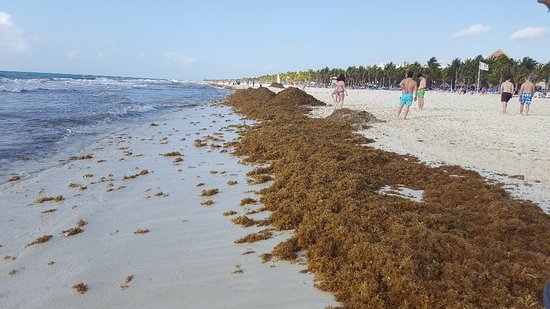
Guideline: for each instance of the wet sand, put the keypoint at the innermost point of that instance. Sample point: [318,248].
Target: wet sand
[131,223]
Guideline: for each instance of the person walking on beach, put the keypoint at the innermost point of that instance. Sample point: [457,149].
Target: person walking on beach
[421,91]
[526,93]
[506,91]
[338,93]
[408,88]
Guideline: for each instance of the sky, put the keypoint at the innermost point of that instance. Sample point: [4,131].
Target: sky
[207,39]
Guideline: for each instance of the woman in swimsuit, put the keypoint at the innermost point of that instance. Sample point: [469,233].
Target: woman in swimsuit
[340,90]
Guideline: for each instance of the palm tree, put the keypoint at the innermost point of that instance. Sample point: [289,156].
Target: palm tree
[434,71]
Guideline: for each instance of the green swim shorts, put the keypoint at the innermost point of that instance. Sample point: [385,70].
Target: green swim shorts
[421,93]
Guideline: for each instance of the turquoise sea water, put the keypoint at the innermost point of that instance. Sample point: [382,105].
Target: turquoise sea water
[43,113]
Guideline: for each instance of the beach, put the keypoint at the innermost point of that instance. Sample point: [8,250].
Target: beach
[148,238]
[466,130]
[154,215]
[386,229]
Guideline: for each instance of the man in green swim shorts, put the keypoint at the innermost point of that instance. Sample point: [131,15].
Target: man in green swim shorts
[408,87]
[421,91]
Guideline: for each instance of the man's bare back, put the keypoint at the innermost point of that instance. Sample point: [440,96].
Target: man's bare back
[408,85]
[527,87]
[507,86]
[422,83]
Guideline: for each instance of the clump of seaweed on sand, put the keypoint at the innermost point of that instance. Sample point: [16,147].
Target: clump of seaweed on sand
[126,285]
[229,213]
[141,231]
[248,201]
[266,257]
[199,143]
[255,237]
[75,230]
[15,178]
[172,154]
[467,244]
[83,157]
[44,199]
[244,221]
[72,231]
[161,194]
[141,173]
[40,240]
[80,287]
[238,270]
[209,192]
[48,210]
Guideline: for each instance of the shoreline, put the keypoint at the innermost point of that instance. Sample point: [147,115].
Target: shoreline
[27,167]
[152,208]
[150,226]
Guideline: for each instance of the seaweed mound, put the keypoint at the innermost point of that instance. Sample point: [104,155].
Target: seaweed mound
[295,96]
[253,96]
[276,85]
[468,244]
[359,120]
[291,101]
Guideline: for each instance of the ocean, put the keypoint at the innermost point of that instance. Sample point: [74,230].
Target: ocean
[44,116]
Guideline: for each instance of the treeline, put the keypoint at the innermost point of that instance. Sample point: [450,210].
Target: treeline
[459,73]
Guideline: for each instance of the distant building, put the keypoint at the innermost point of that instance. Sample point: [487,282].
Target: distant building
[499,52]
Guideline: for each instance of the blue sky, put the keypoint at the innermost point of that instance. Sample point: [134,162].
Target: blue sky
[230,39]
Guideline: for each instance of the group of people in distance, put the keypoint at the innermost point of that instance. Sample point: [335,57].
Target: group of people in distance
[526,92]
[413,91]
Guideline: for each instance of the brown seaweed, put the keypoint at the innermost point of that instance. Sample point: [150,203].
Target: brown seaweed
[468,244]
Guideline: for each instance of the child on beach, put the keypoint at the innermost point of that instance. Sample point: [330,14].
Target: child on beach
[339,91]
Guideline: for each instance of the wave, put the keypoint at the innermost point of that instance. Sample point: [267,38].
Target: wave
[18,85]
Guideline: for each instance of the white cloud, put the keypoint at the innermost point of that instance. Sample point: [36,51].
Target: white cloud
[472,31]
[178,59]
[5,19]
[529,33]
[12,39]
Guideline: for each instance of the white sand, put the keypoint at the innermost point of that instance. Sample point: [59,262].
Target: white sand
[466,130]
[188,258]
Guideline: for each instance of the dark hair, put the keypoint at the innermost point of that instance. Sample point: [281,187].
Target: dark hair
[419,75]
[341,77]
[410,74]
